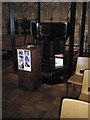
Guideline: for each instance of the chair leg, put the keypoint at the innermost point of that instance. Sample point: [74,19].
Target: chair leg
[67,88]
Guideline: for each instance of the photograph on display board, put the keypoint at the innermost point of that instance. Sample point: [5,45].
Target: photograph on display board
[20,60]
[24,60]
[27,56]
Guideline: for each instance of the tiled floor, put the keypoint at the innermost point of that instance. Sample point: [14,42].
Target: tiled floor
[42,103]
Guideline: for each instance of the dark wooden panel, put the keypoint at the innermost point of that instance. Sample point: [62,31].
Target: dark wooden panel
[31,80]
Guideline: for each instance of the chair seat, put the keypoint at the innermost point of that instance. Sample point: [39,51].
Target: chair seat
[85,97]
[72,109]
[76,79]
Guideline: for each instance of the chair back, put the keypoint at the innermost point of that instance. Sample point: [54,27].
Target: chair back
[72,108]
[86,81]
[82,63]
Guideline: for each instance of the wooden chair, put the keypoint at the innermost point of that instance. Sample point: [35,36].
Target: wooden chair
[72,108]
[85,91]
[77,78]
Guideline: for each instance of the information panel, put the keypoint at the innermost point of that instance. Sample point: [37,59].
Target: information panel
[24,59]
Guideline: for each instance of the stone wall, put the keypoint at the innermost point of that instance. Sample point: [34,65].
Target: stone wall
[50,12]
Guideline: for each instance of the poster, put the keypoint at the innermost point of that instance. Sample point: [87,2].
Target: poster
[24,59]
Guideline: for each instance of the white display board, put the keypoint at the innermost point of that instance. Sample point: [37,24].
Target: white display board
[24,59]
[58,62]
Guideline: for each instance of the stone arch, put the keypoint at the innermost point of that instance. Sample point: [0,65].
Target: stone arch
[66,9]
[56,15]
[60,11]
[43,12]
[78,12]
[25,10]
[33,11]
[16,10]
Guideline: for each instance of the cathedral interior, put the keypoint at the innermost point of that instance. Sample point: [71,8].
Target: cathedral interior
[50,36]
